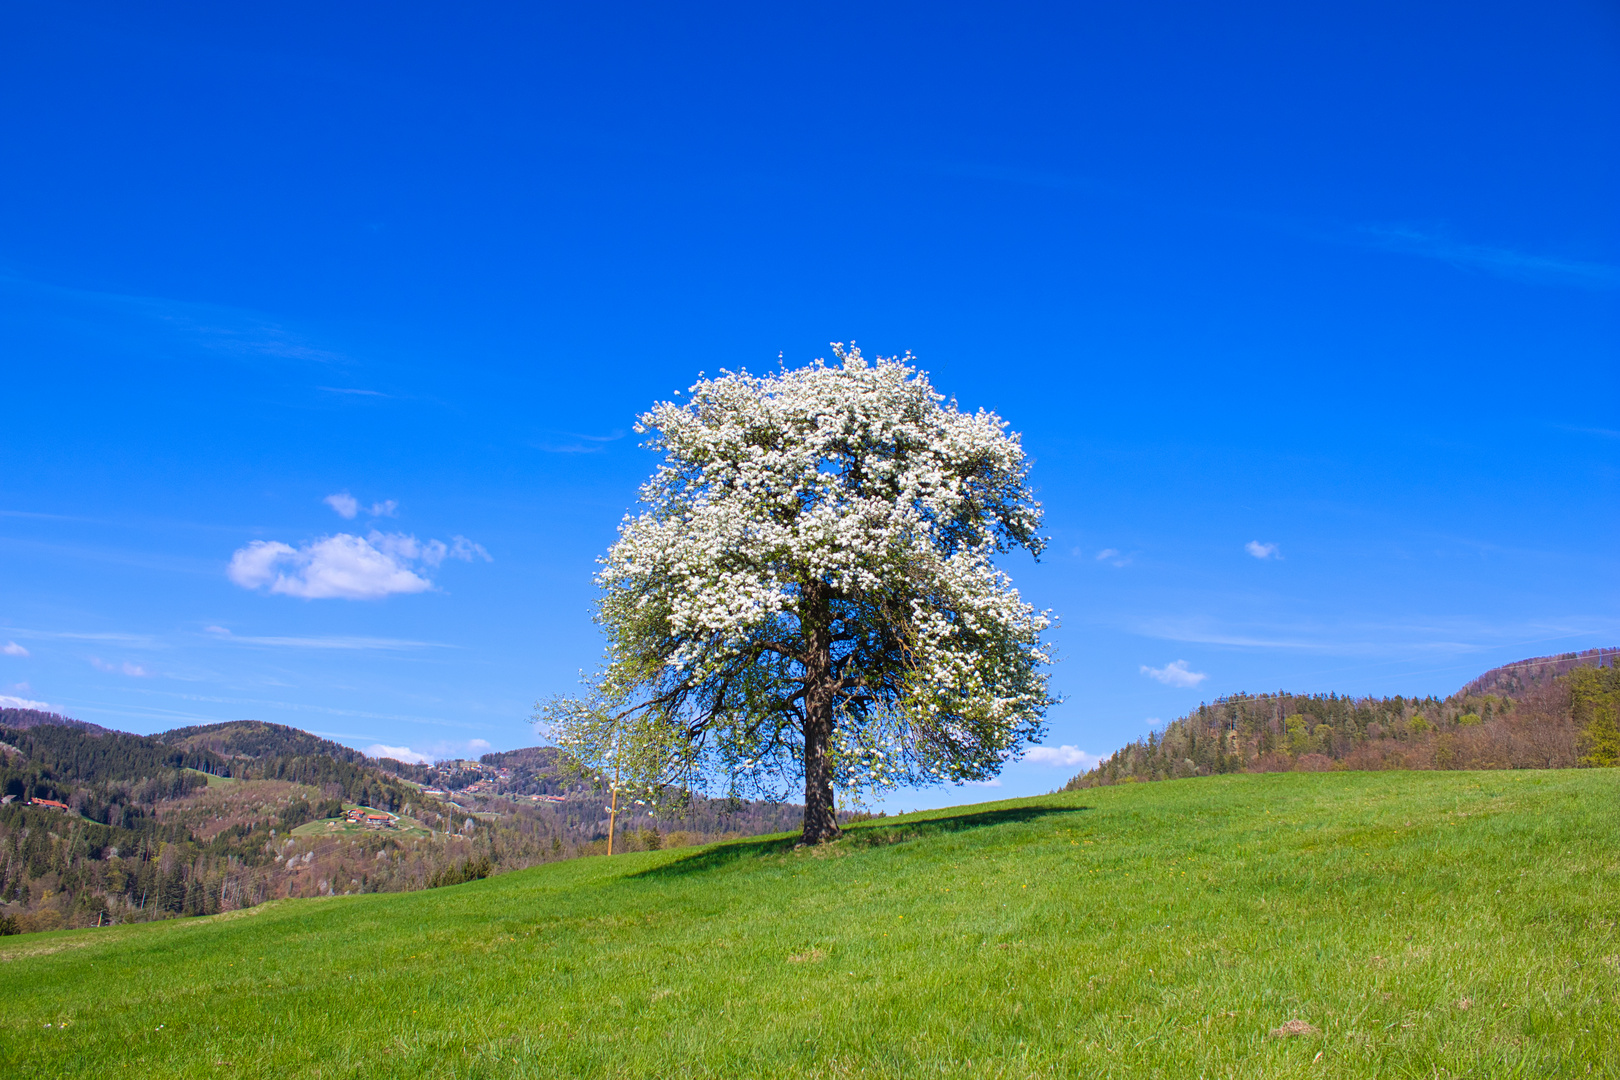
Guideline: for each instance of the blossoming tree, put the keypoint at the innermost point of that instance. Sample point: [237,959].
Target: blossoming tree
[809,591]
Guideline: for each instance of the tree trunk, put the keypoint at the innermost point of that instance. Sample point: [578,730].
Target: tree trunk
[820,815]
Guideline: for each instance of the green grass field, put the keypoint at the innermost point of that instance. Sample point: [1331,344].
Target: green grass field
[1422,924]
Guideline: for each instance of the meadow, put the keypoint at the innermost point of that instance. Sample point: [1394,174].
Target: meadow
[1315,925]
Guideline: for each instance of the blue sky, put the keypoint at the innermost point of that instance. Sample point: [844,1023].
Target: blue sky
[1308,316]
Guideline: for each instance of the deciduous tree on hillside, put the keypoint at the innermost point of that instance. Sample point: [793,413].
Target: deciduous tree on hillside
[809,591]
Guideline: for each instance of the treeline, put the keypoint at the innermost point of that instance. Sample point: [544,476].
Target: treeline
[240,742]
[583,818]
[1543,713]
[200,820]
[141,839]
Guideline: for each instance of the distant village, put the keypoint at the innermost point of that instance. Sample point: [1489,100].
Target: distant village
[465,777]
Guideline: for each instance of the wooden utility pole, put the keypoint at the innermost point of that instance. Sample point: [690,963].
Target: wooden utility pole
[613,806]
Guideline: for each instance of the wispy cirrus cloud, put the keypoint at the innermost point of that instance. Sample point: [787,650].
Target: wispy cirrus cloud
[569,442]
[1401,239]
[1262,551]
[1505,262]
[346,566]
[1417,638]
[1175,673]
[135,671]
[333,642]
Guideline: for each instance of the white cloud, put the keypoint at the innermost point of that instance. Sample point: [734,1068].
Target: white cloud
[9,702]
[1063,756]
[13,649]
[1175,674]
[440,751]
[346,566]
[993,782]
[1106,553]
[398,753]
[348,506]
[1262,551]
[220,630]
[126,668]
[1113,557]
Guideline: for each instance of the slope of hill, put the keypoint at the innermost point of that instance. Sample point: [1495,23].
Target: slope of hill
[1546,712]
[1329,925]
[227,816]
[249,739]
[103,826]
[23,719]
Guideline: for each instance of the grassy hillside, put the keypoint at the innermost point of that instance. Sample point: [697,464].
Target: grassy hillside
[1437,924]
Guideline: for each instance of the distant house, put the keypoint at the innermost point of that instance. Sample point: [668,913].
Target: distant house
[52,803]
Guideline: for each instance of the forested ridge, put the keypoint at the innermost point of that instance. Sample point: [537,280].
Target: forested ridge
[145,834]
[202,819]
[1544,712]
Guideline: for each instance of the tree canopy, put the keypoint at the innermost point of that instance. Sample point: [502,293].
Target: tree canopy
[809,591]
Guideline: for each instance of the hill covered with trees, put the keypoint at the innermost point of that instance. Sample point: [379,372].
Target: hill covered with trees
[1541,713]
[101,826]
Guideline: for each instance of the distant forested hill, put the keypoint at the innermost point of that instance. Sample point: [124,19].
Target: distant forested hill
[104,826]
[255,739]
[1545,712]
[23,719]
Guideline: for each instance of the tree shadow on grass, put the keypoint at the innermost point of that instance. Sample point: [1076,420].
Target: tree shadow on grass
[877,832]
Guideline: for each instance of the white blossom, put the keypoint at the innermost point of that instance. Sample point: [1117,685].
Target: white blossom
[849,498]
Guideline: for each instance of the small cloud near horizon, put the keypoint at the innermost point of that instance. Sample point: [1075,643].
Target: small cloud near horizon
[1175,674]
[1262,551]
[1060,756]
[472,748]
[13,649]
[9,702]
[398,753]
